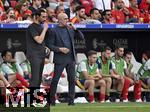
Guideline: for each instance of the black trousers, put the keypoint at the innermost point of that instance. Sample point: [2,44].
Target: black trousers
[58,69]
[37,65]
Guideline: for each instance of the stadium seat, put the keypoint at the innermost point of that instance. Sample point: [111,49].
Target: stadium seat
[20,57]
[136,65]
[80,57]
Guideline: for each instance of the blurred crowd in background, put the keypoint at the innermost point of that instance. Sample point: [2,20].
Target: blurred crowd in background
[79,11]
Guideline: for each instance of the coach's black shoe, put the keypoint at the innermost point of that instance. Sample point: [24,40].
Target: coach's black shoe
[71,104]
[52,104]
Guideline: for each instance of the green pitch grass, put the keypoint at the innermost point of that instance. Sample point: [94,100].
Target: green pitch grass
[102,107]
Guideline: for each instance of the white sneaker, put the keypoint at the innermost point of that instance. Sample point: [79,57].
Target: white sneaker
[93,101]
[139,101]
[125,101]
[103,101]
[117,100]
[83,100]
[80,100]
[57,101]
[77,100]
[107,101]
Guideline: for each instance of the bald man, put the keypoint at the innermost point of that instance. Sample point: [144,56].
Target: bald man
[61,42]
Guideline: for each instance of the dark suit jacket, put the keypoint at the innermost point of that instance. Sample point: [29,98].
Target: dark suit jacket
[55,41]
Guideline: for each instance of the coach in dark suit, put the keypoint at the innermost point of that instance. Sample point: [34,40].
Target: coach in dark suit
[61,42]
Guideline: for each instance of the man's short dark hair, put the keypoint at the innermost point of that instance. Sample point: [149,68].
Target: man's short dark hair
[4,53]
[92,10]
[107,48]
[128,52]
[105,11]
[39,11]
[91,52]
[103,49]
[118,47]
[79,8]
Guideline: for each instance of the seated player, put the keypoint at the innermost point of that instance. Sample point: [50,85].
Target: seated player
[120,69]
[90,77]
[131,80]
[144,73]
[105,68]
[12,70]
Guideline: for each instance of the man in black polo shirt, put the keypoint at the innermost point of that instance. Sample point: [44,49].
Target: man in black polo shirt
[35,46]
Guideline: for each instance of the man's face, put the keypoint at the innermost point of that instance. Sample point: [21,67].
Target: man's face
[93,58]
[43,17]
[51,12]
[38,3]
[119,4]
[108,15]
[81,13]
[128,58]
[96,15]
[61,10]
[120,52]
[8,57]
[24,7]
[64,20]
[107,54]
[134,3]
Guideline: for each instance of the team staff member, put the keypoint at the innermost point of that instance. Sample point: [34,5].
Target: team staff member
[35,46]
[61,42]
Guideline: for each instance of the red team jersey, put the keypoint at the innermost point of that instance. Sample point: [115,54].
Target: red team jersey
[118,16]
[135,13]
[144,5]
